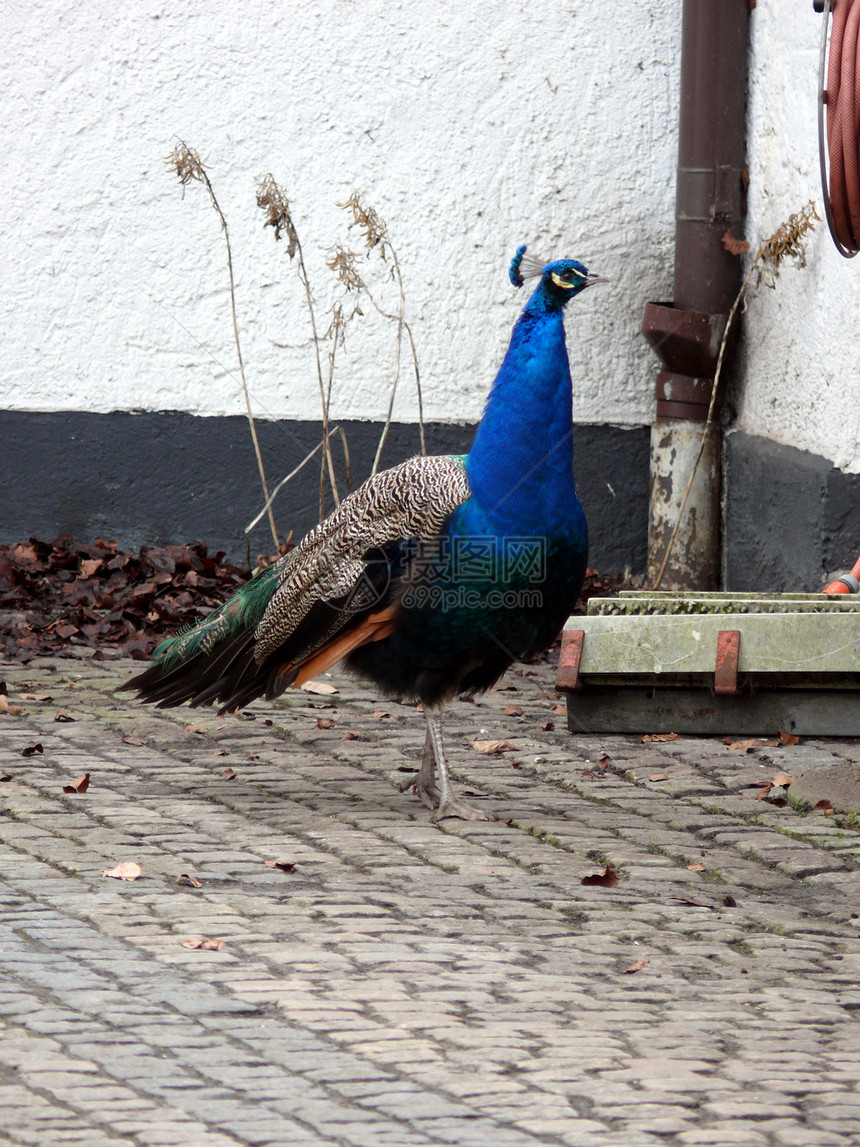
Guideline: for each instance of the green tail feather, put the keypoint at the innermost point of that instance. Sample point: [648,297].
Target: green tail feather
[241,613]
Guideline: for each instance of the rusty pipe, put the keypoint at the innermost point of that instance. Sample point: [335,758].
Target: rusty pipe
[685,333]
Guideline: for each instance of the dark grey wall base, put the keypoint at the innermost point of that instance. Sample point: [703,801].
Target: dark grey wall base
[790,516]
[172,477]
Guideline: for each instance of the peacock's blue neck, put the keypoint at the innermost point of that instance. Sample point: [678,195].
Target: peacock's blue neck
[520,466]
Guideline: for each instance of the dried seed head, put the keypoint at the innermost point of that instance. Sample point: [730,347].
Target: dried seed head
[187,164]
[343,263]
[787,241]
[337,327]
[273,200]
[365,217]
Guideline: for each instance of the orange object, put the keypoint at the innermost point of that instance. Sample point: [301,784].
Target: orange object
[849,583]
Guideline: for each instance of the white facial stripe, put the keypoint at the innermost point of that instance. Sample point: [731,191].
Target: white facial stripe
[559,282]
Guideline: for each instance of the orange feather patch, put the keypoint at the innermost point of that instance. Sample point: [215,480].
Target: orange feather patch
[374,627]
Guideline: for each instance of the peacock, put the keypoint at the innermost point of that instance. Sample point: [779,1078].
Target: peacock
[431,578]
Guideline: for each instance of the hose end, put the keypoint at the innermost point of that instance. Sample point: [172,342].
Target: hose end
[847,583]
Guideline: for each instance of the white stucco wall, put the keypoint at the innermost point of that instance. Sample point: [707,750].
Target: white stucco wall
[470,126]
[801,379]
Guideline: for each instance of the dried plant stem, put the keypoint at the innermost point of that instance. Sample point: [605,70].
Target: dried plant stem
[188,166]
[405,326]
[709,420]
[343,262]
[319,446]
[401,326]
[786,241]
[326,440]
[346,462]
[273,200]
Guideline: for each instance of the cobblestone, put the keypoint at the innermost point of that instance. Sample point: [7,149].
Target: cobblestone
[406,983]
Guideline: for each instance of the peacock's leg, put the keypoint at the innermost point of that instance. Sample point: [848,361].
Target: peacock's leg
[424,781]
[448,805]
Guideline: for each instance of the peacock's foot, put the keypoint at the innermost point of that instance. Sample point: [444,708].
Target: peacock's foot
[426,791]
[459,809]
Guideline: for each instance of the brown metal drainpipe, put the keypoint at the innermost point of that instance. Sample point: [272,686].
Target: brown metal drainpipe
[686,333]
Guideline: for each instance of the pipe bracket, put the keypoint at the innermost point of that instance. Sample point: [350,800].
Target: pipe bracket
[706,194]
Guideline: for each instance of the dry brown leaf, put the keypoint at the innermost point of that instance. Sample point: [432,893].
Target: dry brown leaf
[639,964]
[186,879]
[548,726]
[63,717]
[5,777]
[194,729]
[698,867]
[824,806]
[228,774]
[35,697]
[559,710]
[125,870]
[133,740]
[659,777]
[603,759]
[788,738]
[608,878]
[319,687]
[661,737]
[282,865]
[494,747]
[79,786]
[204,943]
[733,245]
[36,747]
[781,780]
[513,710]
[750,743]
[350,737]
[89,566]
[325,723]
[223,752]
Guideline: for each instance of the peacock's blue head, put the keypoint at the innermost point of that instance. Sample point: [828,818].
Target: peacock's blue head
[559,280]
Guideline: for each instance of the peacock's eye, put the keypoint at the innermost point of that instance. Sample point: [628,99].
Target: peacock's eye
[567,277]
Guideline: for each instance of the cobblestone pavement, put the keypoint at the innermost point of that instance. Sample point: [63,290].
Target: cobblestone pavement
[408,983]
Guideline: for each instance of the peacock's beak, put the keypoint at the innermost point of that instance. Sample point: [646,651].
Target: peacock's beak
[592,279]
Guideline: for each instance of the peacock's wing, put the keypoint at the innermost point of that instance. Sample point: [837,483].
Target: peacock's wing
[324,598]
[344,560]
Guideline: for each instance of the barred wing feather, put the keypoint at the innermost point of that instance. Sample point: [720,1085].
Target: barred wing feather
[302,614]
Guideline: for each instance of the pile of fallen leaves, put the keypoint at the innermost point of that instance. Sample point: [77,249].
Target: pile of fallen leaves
[597,585]
[57,598]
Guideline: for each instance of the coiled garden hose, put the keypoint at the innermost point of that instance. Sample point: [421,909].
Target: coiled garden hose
[839,142]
